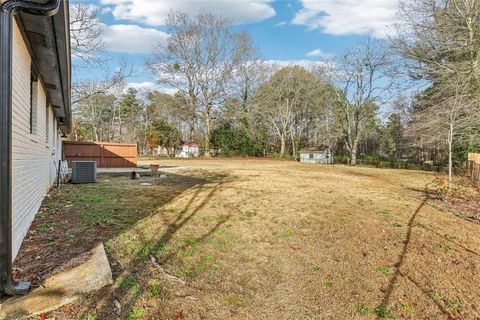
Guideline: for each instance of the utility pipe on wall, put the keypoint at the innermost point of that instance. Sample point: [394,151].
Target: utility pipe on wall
[8,10]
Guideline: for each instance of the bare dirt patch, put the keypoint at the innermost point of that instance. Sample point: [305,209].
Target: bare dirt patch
[246,239]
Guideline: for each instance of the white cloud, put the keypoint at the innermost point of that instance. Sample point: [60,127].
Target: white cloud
[343,17]
[282,23]
[151,86]
[318,53]
[106,10]
[131,38]
[307,64]
[154,12]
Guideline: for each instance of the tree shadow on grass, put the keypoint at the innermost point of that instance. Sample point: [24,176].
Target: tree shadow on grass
[401,261]
[139,266]
[74,219]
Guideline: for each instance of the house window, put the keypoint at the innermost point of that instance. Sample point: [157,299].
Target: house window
[47,122]
[33,101]
[310,155]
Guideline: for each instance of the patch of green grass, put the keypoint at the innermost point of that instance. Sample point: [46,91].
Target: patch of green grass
[286,233]
[449,237]
[44,228]
[53,206]
[154,289]
[135,289]
[419,225]
[71,238]
[186,272]
[386,213]
[208,258]
[91,317]
[327,285]
[223,217]
[382,313]
[445,247]
[385,271]
[397,225]
[135,314]
[190,240]
[202,267]
[315,267]
[233,299]
[454,306]
[94,217]
[93,197]
[248,259]
[436,295]
[361,308]
[146,251]
[407,308]
[130,283]
[222,242]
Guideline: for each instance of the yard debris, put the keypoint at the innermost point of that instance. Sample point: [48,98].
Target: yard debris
[134,175]
[118,306]
[165,274]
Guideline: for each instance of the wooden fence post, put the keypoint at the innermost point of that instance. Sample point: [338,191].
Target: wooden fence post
[474,168]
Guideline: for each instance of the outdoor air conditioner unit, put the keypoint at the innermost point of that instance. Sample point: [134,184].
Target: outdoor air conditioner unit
[84,171]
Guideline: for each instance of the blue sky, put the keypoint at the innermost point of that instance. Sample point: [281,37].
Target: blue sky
[300,31]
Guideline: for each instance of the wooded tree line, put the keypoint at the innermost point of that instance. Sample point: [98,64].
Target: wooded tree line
[414,97]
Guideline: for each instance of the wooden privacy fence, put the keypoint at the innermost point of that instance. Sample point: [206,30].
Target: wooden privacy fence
[107,155]
[474,168]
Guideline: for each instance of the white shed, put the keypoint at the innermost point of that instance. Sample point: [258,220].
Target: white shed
[322,155]
[187,151]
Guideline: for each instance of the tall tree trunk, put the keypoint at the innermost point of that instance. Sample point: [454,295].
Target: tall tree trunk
[294,145]
[206,143]
[353,153]
[450,141]
[282,145]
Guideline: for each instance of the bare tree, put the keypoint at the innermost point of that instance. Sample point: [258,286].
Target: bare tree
[285,100]
[363,80]
[440,41]
[199,59]
[95,113]
[87,46]
[445,120]
[85,33]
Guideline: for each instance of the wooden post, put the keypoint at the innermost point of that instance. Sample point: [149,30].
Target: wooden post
[474,168]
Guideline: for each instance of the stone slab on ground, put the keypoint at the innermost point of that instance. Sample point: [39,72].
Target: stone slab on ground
[62,288]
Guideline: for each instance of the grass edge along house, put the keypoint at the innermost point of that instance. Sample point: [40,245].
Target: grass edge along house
[34,113]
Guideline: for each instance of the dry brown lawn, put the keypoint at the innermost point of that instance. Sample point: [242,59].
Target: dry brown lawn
[257,239]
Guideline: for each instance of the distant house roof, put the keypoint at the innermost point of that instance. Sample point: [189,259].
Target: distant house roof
[317,149]
[48,41]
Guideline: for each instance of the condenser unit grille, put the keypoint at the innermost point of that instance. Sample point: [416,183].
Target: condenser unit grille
[84,171]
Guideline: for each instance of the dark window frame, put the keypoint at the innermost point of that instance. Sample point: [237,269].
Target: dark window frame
[33,103]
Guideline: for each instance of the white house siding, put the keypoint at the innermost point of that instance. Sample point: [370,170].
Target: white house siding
[34,160]
[317,157]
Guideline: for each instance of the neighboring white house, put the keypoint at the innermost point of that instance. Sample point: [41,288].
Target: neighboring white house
[321,154]
[41,110]
[187,151]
